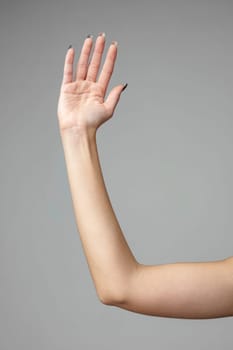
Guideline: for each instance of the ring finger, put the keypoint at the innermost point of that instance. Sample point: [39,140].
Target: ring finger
[82,64]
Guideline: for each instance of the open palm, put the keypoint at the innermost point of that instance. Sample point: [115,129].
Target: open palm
[81,101]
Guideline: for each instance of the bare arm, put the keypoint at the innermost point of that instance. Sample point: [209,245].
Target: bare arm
[109,258]
[81,110]
[182,290]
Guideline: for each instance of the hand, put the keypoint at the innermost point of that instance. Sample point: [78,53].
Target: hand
[81,102]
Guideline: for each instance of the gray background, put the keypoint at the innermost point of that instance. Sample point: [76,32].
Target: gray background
[166,157]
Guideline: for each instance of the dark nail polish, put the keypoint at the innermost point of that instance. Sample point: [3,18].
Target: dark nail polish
[124,87]
[69,47]
[114,43]
[89,36]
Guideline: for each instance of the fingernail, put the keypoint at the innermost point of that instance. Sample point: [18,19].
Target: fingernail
[115,43]
[69,47]
[90,36]
[124,87]
[102,34]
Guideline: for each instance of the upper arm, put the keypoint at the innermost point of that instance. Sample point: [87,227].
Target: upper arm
[182,290]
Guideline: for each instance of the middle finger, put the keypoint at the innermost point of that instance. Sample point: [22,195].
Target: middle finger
[96,58]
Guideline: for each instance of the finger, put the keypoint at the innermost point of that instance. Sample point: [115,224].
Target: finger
[113,98]
[82,64]
[108,66]
[96,58]
[68,66]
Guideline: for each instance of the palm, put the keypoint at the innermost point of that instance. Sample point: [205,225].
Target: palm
[81,101]
[82,104]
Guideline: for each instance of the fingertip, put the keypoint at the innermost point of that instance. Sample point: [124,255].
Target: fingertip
[70,51]
[114,43]
[124,87]
[70,54]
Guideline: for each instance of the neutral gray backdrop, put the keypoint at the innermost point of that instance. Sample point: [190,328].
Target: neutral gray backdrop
[166,157]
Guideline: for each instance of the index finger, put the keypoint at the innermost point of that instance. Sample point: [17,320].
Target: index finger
[108,66]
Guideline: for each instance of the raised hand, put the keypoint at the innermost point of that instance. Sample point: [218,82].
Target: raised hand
[82,101]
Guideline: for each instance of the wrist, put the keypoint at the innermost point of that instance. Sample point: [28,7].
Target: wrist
[78,135]
[79,145]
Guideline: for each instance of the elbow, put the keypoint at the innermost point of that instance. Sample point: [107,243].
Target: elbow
[112,296]
[118,293]
[106,300]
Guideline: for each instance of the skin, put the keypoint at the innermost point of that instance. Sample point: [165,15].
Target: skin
[180,290]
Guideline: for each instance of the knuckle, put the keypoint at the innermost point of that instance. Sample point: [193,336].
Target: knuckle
[109,71]
[94,66]
[81,64]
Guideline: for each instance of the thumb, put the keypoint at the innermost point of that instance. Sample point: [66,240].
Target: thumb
[113,98]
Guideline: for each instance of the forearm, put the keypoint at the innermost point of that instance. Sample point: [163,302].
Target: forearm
[110,261]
